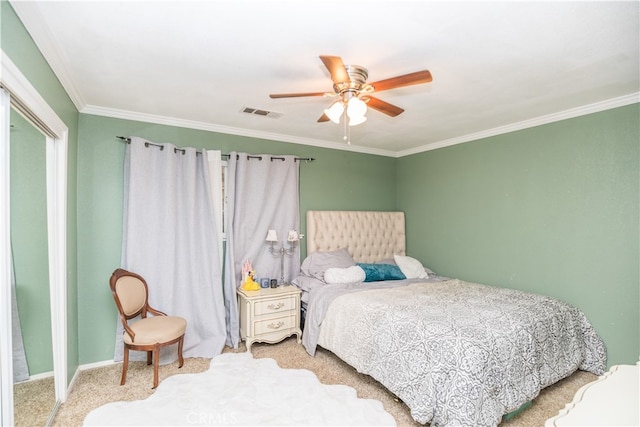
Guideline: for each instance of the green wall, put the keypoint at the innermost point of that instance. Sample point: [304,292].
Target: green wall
[20,48]
[335,180]
[552,209]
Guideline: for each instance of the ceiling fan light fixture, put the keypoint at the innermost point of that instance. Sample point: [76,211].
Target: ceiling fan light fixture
[356,108]
[334,112]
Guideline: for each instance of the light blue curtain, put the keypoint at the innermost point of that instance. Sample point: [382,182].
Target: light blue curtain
[263,194]
[170,239]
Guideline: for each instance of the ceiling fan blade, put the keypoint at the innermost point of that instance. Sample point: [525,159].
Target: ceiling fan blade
[405,80]
[383,107]
[323,118]
[336,68]
[296,95]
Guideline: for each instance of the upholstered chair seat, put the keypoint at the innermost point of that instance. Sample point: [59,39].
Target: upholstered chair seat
[156,329]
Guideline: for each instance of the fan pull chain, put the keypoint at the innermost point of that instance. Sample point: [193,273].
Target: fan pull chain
[347,128]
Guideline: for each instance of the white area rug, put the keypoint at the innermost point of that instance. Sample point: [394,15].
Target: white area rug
[240,390]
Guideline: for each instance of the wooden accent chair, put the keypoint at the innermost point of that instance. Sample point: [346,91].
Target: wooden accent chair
[149,334]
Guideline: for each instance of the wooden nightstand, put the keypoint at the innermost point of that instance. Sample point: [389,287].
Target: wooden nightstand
[269,315]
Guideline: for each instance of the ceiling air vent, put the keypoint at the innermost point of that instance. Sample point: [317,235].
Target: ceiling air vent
[259,112]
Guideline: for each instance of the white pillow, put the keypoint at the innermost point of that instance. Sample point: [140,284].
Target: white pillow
[410,267]
[352,274]
[316,263]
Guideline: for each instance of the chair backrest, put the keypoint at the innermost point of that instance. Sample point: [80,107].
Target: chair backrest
[130,293]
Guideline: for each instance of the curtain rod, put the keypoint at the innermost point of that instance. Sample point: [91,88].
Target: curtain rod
[182,150]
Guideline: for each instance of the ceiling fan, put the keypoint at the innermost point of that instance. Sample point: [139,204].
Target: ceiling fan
[350,84]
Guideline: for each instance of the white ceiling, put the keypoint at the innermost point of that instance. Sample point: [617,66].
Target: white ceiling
[496,66]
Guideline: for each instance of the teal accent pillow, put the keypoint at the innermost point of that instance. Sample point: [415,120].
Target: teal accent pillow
[379,272]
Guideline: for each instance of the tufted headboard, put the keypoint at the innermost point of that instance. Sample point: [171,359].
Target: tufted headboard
[369,236]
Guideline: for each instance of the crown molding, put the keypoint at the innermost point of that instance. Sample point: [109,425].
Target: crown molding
[621,101]
[211,127]
[525,124]
[609,104]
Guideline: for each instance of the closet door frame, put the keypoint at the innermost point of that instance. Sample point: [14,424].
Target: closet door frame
[21,90]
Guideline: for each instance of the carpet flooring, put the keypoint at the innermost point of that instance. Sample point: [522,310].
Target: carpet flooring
[33,402]
[96,387]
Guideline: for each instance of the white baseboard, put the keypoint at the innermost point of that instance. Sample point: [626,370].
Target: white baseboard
[40,376]
[97,365]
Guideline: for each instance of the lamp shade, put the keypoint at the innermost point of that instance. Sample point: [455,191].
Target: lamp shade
[272,236]
[335,111]
[293,236]
[356,108]
[353,121]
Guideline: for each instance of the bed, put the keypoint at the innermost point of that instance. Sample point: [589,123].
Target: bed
[456,353]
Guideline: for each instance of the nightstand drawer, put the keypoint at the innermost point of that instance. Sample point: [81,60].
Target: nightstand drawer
[274,306]
[275,324]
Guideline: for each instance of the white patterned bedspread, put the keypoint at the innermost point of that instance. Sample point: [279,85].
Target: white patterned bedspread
[460,353]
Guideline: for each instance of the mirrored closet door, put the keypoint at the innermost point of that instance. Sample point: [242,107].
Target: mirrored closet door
[33,391]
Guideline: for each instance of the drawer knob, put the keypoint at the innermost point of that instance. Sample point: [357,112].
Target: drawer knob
[277,306]
[278,325]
